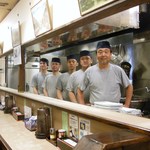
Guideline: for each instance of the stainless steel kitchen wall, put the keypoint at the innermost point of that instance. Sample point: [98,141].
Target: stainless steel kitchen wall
[32,67]
[11,73]
[122,47]
[141,71]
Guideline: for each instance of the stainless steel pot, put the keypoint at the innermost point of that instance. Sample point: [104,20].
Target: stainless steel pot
[137,102]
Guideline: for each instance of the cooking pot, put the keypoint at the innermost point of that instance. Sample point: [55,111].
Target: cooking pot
[137,102]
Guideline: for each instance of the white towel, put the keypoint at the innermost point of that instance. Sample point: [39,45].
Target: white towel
[131,111]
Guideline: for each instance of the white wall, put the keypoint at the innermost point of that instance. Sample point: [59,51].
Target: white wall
[62,12]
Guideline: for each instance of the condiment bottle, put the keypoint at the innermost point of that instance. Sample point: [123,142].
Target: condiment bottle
[52,134]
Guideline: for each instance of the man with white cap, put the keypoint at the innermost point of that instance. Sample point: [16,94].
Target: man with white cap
[49,85]
[104,79]
[77,77]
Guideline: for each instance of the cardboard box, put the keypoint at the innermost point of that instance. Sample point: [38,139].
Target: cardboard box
[18,115]
[66,144]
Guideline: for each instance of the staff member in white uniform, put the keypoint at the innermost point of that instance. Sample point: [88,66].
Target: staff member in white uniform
[77,77]
[50,81]
[104,79]
[38,79]
[62,92]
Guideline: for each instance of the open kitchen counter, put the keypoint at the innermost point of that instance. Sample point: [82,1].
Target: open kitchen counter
[107,116]
[14,135]
[101,121]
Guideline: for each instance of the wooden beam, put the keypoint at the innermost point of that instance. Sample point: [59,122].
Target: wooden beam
[21,82]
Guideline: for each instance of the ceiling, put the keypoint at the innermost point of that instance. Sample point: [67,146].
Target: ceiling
[5,7]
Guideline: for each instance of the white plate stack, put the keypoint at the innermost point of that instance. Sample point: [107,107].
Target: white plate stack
[108,105]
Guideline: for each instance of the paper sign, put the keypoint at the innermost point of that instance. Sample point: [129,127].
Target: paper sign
[17,55]
[65,120]
[84,127]
[73,126]
[27,112]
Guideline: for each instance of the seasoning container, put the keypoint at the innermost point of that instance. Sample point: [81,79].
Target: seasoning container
[61,133]
[52,133]
[43,123]
[8,104]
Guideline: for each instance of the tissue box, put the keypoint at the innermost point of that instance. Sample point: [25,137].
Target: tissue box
[18,115]
[31,123]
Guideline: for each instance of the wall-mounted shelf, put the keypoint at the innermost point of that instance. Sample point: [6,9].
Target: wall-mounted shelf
[88,19]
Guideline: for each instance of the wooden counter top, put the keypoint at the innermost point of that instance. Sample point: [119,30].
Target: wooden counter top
[124,120]
[16,137]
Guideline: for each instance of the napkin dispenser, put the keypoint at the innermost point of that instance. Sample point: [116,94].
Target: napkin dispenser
[43,123]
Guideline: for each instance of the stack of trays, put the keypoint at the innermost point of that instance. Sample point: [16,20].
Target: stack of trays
[108,105]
